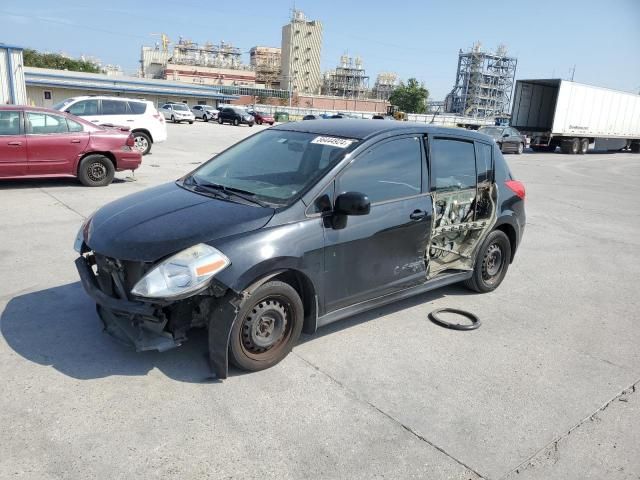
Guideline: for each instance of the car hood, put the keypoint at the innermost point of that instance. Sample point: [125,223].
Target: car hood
[160,221]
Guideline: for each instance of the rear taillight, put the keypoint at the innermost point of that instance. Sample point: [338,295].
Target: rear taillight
[158,117]
[130,141]
[516,187]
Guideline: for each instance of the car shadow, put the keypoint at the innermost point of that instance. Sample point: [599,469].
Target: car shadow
[59,327]
[17,184]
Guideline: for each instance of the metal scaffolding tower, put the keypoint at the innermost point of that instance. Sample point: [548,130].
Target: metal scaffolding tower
[484,83]
[348,80]
[386,83]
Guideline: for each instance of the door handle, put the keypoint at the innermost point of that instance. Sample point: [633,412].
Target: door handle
[418,215]
[15,144]
[129,120]
[75,141]
[95,121]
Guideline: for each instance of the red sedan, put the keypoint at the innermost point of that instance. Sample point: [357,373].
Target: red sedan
[38,142]
[262,117]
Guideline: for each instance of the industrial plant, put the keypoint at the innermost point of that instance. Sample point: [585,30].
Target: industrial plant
[484,83]
[348,79]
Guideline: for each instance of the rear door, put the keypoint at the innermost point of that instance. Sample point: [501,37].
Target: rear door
[116,112]
[384,251]
[456,232]
[53,145]
[13,145]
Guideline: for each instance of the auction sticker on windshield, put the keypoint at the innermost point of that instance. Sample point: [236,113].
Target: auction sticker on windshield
[333,141]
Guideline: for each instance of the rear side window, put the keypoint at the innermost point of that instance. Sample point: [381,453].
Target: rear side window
[453,164]
[483,162]
[84,107]
[9,122]
[114,107]
[137,108]
[386,172]
[502,169]
[44,123]
[74,126]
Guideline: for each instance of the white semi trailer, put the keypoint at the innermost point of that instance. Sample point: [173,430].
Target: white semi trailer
[575,117]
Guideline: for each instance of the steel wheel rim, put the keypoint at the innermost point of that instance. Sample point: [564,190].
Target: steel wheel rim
[140,144]
[97,172]
[492,263]
[266,328]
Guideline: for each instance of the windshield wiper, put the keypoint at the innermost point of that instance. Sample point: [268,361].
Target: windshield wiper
[237,192]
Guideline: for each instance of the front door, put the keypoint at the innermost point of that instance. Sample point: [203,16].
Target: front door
[460,214]
[13,144]
[53,147]
[384,251]
[87,109]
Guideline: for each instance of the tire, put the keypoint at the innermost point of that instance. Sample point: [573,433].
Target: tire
[635,147]
[173,119]
[584,146]
[503,149]
[96,171]
[190,122]
[142,142]
[251,124]
[235,122]
[570,147]
[205,118]
[275,308]
[487,276]
[520,149]
[259,122]
[271,124]
[220,121]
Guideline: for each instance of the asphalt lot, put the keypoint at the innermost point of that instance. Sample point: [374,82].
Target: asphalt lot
[544,389]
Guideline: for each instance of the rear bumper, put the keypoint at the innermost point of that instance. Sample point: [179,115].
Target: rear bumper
[127,160]
[136,324]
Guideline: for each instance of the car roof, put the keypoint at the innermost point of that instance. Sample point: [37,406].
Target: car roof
[365,128]
[107,97]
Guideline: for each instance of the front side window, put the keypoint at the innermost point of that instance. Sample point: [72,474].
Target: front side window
[386,172]
[84,108]
[276,165]
[9,122]
[45,123]
[453,164]
[114,107]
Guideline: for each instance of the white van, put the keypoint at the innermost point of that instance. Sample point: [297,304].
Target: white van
[147,125]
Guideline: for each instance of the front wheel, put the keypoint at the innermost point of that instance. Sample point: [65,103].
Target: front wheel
[520,148]
[205,118]
[492,263]
[267,327]
[584,145]
[173,119]
[96,171]
[220,121]
[190,122]
[235,122]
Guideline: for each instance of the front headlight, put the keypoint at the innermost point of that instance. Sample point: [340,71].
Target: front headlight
[77,244]
[182,273]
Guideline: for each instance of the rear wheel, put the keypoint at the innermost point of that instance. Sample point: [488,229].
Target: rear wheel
[520,149]
[235,122]
[96,171]
[492,263]
[173,119]
[142,142]
[205,118]
[570,147]
[259,122]
[267,327]
[220,121]
[584,145]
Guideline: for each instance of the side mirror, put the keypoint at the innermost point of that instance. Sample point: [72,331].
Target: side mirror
[352,203]
[505,134]
[68,110]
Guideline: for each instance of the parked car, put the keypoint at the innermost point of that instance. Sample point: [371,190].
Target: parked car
[40,142]
[177,113]
[236,116]
[299,226]
[309,117]
[508,138]
[262,117]
[205,112]
[142,118]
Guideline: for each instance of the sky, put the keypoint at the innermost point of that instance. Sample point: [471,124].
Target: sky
[416,38]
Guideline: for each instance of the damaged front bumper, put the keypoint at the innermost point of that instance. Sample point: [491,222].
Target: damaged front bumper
[146,326]
[136,324]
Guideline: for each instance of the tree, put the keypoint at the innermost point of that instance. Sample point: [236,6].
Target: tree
[33,58]
[410,98]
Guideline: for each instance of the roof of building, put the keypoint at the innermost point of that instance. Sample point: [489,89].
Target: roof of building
[101,82]
[361,129]
[12,47]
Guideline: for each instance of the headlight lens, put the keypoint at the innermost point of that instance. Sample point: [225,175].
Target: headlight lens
[77,244]
[182,273]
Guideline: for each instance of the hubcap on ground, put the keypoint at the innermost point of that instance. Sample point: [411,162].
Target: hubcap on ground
[97,171]
[140,144]
[492,263]
[264,326]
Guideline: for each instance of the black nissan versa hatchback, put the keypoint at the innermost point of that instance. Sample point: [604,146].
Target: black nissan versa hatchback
[296,227]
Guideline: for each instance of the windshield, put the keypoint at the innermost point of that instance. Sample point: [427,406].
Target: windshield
[63,103]
[491,131]
[277,166]
[180,106]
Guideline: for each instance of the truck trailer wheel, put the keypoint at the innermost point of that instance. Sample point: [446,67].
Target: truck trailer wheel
[570,147]
[635,147]
[584,145]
